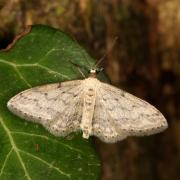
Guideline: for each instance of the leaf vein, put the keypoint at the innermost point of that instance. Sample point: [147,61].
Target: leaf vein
[5,161]
[15,148]
[35,65]
[45,162]
[22,78]
[47,138]
[49,52]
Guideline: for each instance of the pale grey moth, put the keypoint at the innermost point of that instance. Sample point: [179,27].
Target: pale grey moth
[89,105]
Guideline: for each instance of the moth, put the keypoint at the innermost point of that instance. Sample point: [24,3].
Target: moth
[89,105]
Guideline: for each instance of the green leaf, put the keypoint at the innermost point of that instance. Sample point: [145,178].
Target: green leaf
[27,150]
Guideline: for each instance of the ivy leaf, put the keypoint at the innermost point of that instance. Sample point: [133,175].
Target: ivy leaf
[39,56]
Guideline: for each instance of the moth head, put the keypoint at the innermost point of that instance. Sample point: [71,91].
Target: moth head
[94,71]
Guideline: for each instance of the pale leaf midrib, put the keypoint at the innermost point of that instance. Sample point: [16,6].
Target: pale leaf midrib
[50,71]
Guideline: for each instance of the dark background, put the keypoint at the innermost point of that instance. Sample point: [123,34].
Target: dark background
[145,61]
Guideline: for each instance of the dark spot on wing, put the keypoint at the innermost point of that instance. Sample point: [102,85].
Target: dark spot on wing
[88,103]
[90,89]
[24,97]
[104,99]
[39,117]
[90,95]
[31,116]
[155,114]
[110,109]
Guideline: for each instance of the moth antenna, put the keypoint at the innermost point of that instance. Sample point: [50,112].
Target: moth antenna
[106,53]
[83,75]
[78,67]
